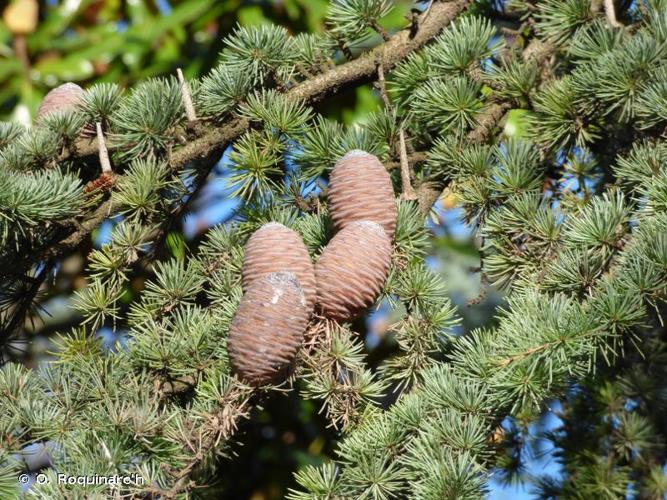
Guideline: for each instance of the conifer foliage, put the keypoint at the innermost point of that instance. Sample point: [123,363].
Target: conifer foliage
[569,204]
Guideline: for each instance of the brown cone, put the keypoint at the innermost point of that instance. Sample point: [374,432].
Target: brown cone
[360,189]
[268,328]
[273,248]
[62,98]
[352,270]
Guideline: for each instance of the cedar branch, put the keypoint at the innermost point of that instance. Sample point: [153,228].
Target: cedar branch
[408,193]
[210,142]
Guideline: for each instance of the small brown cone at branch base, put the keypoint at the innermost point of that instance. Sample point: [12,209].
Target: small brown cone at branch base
[352,270]
[103,183]
[273,248]
[268,328]
[64,97]
[360,189]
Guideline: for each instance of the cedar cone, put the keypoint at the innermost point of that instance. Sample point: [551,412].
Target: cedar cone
[268,328]
[360,189]
[352,270]
[66,96]
[273,248]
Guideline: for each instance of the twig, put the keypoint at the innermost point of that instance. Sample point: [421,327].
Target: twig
[344,48]
[382,84]
[525,354]
[381,31]
[408,192]
[610,12]
[352,73]
[483,278]
[21,50]
[103,151]
[486,123]
[488,119]
[186,96]
[19,313]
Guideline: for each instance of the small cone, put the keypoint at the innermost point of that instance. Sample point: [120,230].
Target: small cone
[64,97]
[360,189]
[352,270]
[274,248]
[268,329]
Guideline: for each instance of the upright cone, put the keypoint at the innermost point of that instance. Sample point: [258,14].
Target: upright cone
[360,189]
[274,248]
[352,270]
[64,97]
[268,328]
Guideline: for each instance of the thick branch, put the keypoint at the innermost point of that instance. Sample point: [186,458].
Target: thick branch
[186,96]
[103,153]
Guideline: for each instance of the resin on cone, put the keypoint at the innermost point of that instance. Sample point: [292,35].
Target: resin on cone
[66,96]
[352,270]
[360,189]
[274,248]
[268,328]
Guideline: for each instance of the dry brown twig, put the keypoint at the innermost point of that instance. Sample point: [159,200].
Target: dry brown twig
[382,84]
[408,192]
[103,151]
[187,96]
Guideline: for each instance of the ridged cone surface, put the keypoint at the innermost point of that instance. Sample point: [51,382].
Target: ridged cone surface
[268,328]
[360,189]
[63,97]
[274,248]
[352,270]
